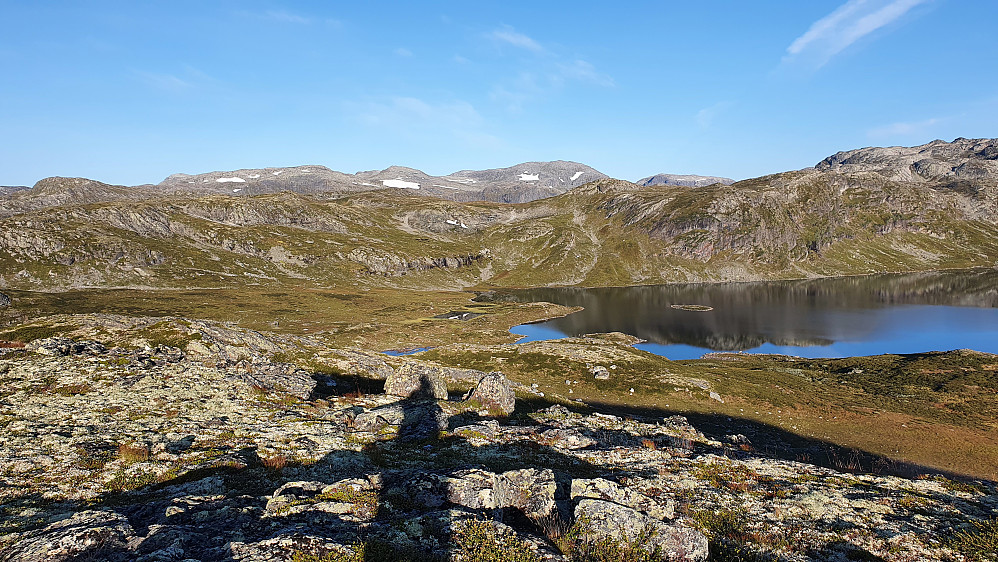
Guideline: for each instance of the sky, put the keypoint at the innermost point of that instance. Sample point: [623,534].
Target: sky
[129,92]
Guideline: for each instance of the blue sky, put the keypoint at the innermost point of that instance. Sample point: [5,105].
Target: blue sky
[129,92]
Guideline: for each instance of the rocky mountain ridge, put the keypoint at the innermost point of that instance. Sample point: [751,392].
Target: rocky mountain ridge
[517,184]
[687,180]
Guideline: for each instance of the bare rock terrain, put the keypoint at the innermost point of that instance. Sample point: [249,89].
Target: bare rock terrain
[132,453]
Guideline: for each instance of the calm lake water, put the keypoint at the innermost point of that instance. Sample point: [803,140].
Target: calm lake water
[837,317]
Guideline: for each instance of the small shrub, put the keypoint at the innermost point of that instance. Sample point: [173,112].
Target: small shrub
[133,453]
[275,463]
[72,389]
[580,544]
[480,541]
[979,543]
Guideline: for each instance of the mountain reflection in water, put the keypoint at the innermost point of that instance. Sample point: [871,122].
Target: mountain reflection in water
[817,317]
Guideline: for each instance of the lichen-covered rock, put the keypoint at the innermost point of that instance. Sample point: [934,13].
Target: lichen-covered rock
[601,373]
[83,533]
[287,546]
[416,380]
[473,488]
[60,347]
[675,542]
[571,439]
[601,489]
[4,300]
[530,490]
[274,377]
[495,392]
[407,419]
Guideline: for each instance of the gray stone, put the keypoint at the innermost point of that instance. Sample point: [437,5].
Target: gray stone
[61,347]
[83,533]
[675,542]
[601,489]
[530,490]
[495,392]
[601,373]
[409,419]
[571,438]
[4,300]
[414,379]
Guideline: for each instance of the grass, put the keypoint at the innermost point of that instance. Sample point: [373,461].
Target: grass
[979,542]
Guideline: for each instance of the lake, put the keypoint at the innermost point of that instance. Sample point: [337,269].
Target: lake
[834,317]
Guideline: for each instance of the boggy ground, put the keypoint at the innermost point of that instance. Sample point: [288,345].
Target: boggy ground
[244,445]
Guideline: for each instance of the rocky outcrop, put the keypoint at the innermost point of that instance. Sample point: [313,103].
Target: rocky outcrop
[82,535]
[672,542]
[962,159]
[530,490]
[108,459]
[379,262]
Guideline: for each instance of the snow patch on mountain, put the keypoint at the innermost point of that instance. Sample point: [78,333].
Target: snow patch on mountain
[400,184]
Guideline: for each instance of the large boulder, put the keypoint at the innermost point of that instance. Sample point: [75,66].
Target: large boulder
[674,542]
[410,419]
[416,380]
[494,392]
[530,490]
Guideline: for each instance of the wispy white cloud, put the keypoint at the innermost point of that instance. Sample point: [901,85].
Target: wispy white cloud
[188,79]
[508,35]
[403,52]
[849,23]
[705,117]
[584,72]
[167,82]
[461,60]
[278,16]
[904,129]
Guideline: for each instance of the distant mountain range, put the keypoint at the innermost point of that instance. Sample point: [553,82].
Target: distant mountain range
[870,210]
[516,184]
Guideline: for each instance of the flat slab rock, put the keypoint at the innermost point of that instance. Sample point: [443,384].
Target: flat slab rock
[674,542]
[83,534]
